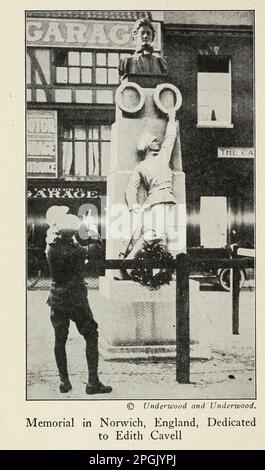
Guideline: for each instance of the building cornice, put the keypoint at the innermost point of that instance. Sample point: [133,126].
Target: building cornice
[192,30]
[126,15]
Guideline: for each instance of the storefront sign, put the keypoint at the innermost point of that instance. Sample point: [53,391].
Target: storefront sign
[54,192]
[236,152]
[83,33]
[41,144]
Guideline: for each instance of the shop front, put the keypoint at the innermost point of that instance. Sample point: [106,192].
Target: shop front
[81,199]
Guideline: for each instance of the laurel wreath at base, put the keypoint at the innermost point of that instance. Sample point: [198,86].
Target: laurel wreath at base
[146,277]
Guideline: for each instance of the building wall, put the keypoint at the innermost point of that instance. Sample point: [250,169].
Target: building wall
[206,174]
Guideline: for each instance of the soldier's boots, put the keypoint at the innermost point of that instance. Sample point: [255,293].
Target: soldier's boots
[61,361]
[94,385]
[97,388]
[65,385]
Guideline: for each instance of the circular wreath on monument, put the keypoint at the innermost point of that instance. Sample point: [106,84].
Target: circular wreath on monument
[150,277]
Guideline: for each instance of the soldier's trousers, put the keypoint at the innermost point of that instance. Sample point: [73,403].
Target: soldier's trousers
[87,327]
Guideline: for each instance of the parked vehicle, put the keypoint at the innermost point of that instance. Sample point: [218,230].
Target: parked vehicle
[222,277]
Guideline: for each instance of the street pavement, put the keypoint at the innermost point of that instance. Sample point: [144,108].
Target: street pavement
[229,373]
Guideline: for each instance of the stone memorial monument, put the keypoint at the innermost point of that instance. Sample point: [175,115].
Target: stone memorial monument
[145,184]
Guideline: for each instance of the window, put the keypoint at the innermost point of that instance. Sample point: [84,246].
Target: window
[73,67]
[107,68]
[85,150]
[214,91]
[87,67]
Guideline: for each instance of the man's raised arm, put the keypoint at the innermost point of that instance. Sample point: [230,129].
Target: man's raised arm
[170,137]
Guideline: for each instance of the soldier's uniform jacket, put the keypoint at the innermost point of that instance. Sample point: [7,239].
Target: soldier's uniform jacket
[154,174]
[66,261]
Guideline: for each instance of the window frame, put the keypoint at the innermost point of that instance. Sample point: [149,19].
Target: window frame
[93,67]
[72,124]
[217,124]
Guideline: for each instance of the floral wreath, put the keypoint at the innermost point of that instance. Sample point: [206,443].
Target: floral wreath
[145,276]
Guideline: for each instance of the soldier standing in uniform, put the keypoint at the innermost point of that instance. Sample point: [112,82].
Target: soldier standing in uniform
[68,297]
[156,176]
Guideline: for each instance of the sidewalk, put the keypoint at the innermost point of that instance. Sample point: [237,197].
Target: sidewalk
[228,374]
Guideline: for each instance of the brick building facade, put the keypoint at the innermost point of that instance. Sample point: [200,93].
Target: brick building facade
[211,61]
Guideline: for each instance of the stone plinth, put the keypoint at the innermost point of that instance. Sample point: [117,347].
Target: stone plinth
[147,80]
[141,324]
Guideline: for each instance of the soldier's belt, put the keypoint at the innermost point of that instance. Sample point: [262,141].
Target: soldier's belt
[159,188]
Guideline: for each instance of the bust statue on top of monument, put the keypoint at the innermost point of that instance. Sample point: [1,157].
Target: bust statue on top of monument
[143,61]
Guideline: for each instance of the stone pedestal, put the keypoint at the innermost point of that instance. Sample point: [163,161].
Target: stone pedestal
[141,324]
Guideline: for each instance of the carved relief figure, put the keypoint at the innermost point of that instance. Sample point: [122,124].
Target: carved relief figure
[155,217]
